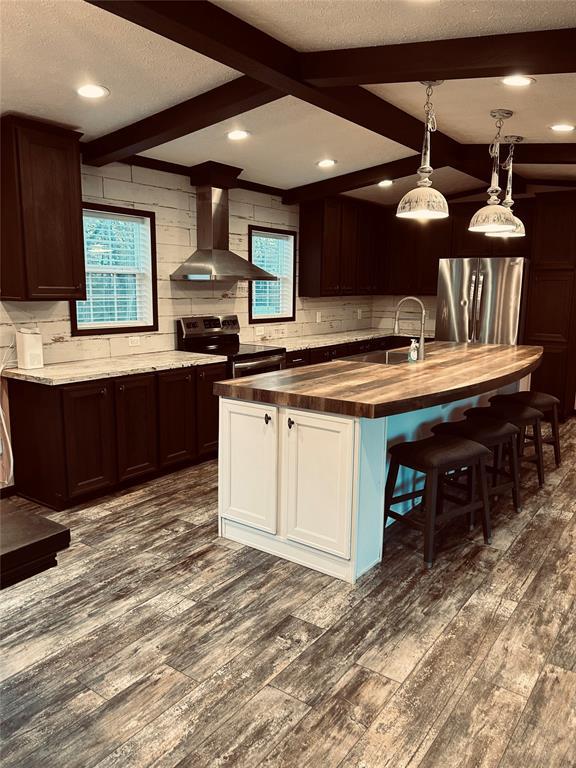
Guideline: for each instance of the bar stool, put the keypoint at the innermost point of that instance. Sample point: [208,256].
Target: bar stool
[435,456]
[548,404]
[522,416]
[499,437]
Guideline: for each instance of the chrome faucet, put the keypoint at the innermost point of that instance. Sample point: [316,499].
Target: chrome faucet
[423,318]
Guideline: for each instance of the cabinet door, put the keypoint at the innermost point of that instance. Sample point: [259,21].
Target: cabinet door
[322,354]
[349,248]
[317,476]
[400,268]
[330,274]
[366,245]
[432,243]
[248,469]
[136,425]
[51,212]
[89,437]
[554,243]
[207,408]
[177,416]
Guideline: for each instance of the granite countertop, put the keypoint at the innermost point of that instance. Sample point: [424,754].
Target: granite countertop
[104,368]
[291,343]
[451,371]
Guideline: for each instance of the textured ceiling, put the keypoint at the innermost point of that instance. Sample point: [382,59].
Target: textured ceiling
[310,25]
[50,47]
[288,137]
[551,99]
[447,180]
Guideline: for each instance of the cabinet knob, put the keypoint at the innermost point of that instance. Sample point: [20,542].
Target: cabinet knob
[121,387]
[188,378]
[202,375]
[103,392]
[290,423]
[267,419]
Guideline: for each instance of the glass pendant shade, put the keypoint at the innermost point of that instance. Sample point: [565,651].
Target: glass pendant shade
[519,231]
[423,203]
[493,218]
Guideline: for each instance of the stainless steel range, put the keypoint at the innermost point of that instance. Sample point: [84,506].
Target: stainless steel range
[219,335]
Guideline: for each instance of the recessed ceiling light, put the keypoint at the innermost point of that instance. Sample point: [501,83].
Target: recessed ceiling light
[562,127]
[238,135]
[91,91]
[385,183]
[518,81]
[326,163]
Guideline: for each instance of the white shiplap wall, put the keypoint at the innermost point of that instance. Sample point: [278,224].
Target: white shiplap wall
[173,200]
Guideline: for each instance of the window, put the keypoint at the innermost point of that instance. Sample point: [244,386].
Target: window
[120,259]
[275,251]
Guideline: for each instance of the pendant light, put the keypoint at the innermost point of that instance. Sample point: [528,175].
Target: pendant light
[425,203]
[494,217]
[508,201]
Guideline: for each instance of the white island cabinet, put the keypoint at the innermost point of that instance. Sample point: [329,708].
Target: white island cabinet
[289,485]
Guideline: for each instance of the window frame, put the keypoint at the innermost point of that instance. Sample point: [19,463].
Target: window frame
[105,331]
[254,228]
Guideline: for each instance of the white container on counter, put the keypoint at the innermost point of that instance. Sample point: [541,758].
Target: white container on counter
[29,348]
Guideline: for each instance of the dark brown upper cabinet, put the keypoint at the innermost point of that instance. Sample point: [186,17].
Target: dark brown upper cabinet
[42,243]
[339,243]
[465,243]
[554,242]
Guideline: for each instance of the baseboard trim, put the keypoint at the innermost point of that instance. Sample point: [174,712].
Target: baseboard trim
[9,490]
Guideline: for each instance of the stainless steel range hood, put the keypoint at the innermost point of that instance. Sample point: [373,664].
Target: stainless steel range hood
[213,260]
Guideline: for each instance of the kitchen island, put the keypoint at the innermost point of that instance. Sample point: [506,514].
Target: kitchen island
[303,452]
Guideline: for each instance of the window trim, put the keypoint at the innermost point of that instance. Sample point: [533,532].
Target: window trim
[271,230]
[79,331]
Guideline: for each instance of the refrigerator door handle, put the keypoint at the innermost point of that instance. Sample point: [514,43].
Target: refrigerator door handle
[471,307]
[478,311]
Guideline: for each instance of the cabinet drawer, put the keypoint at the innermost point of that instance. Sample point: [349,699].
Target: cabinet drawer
[297,358]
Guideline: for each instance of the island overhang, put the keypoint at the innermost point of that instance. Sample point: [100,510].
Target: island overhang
[451,371]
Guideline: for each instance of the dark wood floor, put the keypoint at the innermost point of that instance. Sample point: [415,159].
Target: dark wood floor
[154,643]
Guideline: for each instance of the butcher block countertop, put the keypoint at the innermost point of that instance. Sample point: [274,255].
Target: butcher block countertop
[451,371]
[107,367]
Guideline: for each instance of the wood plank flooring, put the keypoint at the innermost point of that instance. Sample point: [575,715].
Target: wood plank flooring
[154,643]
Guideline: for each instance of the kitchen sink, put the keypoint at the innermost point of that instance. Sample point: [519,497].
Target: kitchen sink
[380,357]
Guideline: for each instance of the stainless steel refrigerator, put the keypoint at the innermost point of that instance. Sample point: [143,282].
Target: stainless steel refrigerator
[480,300]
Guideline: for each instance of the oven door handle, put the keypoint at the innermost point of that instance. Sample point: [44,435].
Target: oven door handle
[262,362]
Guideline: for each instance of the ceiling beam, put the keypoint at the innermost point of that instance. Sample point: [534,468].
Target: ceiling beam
[551,182]
[184,170]
[210,30]
[531,53]
[228,100]
[546,154]
[346,182]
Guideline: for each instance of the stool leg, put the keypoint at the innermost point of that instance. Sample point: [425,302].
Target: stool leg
[515,472]
[389,492]
[556,434]
[472,482]
[486,525]
[497,464]
[537,428]
[521,441]
[430,496]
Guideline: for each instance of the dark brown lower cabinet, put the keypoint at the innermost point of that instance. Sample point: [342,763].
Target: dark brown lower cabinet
[136,425]
[88,419]
[177,416]
[297,358]
[207,407]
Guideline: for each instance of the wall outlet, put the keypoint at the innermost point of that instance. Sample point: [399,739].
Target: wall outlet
[359,314]
[318,317]
[133,341]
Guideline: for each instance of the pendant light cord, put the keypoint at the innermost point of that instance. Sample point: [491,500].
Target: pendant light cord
[494,188]
[429,127]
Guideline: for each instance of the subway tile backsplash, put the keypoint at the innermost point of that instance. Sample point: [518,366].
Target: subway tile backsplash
[172,199]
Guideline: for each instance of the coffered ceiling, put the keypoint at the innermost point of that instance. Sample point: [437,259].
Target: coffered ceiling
[48,52]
